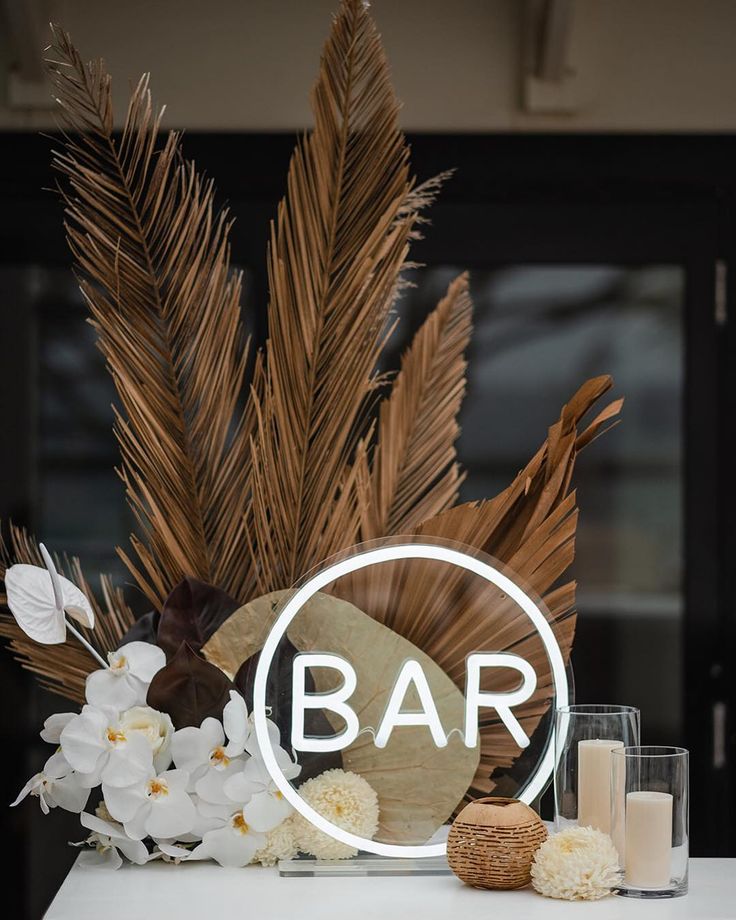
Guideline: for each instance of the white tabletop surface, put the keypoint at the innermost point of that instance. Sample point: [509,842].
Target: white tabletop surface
[204,891]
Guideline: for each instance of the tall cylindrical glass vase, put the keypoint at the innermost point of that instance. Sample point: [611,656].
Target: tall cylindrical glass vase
[585,736]
[650,821]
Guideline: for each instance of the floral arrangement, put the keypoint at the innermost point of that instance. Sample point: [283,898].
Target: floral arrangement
[578,864]
[196,792]
[245,472]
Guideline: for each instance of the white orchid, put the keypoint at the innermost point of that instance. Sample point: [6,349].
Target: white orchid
[234,844]
[157,806]
[208,817]
[170,851]
[107,838]
[264,804]
[56,785]
[54,725]
[101,750]
[202,752]
[236,724]
[156,727]
[39,598]
[124,683]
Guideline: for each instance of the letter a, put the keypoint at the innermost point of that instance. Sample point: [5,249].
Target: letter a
[411,672]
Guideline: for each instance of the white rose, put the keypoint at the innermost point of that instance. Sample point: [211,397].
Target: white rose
[156,727]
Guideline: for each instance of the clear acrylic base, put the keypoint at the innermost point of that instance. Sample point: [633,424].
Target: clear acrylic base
[365,864]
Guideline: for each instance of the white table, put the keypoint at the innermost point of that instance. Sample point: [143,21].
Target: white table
[204,891]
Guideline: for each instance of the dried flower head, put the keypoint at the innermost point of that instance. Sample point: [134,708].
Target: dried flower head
[578,864]
[346,800]
[280,844]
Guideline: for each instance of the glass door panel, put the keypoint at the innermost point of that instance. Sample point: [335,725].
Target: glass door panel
[540,331]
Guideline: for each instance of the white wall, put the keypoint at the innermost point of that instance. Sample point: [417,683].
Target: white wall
[643,65]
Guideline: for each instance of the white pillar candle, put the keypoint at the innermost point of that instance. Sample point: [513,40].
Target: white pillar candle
[594,783]
[648,839]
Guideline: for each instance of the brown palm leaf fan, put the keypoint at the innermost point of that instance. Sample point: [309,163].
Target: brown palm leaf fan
[530,527]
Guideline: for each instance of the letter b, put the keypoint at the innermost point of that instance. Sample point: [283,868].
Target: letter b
[334,700]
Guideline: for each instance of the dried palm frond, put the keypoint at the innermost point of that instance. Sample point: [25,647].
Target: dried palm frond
[153,257]
[414,475]
[336,251]
[63,668]
[530,527]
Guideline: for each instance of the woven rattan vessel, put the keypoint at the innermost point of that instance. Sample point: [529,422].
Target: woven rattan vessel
[492,842]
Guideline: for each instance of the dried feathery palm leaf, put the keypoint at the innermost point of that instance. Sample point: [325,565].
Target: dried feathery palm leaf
[63,668]
[152,255]
[414,475]
[336,251]
[420,198]
[530,527]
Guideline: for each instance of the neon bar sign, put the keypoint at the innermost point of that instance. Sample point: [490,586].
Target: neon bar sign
[410,674]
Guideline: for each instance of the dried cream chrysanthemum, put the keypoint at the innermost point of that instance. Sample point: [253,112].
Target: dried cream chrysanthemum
[346,800]
[578,864]
[280,844]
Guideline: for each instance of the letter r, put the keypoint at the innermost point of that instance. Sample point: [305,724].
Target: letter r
[501,701]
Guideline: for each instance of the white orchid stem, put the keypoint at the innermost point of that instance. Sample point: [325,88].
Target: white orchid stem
[93,651]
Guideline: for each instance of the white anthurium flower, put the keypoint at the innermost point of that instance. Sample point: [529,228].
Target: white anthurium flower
[202,753]
[56,785]
[265,806]
[54,725]
[236,724]
[39,597]
[156,727]
[100,750]
[158,806]
[235,844]
[109,840]
[125,682]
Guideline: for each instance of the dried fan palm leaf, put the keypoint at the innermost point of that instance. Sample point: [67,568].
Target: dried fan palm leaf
[530,527]
[153,256]
[336,251]
[63,668]
[414,475]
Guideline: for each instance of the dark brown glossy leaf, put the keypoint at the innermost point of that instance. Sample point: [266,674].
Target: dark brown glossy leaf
[278,697]
[189,689]
[144,629]
[192,613]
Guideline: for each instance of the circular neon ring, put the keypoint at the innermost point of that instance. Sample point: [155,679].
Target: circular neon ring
[535,785]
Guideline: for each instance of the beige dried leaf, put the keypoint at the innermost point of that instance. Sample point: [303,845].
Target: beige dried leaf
[418,784]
